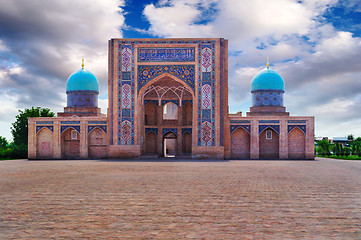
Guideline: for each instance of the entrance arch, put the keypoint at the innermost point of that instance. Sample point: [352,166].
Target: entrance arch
[170,144]
[240,144]
[70,144]
[269,144]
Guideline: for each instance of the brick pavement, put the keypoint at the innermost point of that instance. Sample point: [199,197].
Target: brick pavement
[171,200]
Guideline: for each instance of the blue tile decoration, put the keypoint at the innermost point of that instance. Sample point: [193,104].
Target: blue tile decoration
[101,127]
[153,101]
[69,122]
[44,122]
[167,101]
[184,130]
[166,54]
[264,127]
[173,130]
[126,76]
[296,121]
[125,112]
[82,98]
[291,127]
[155,130]
[245,127]
[269,121]
[206,113]
[206,93]
[186,101]
[267,98]
[38,128]
[240,121]
[126,93]
[97,122]
[148,72]
[63,128]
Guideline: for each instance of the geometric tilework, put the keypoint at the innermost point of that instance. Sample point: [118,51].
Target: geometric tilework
[154,130]
[44,122]
[245,127]
[206,96]
[126,93]
[101,127]
[206,130]
[63,128]
[166,54]
[267,98]
[173,130]
[206,93]
[291,127]
[38,128]
[264,127]
[269,121]
[296,121]
[188,130]
[148,72]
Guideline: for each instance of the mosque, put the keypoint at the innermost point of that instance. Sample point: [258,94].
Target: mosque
[169,98]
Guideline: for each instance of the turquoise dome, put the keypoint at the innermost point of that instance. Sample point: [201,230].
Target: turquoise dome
[267,79]
[82,80]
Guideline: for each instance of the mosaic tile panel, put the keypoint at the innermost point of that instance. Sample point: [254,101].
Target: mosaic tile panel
[146,73]
[167,101]
[155,130]
[173,130]
[264,127]
[267,98]
[296,121]
[101,127]
[126,55]
[166,54]
[184,130]
[126,93]
[269,121]
[240,121]
[69,122]
[44,122]
[245,127]
[63,128]
[206,93]
[156,102]
[97,122]
[38,128]
[291,127]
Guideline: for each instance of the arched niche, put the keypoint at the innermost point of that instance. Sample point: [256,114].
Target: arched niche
[70,144]
[44,144]
[187,114]
[269,144]
[170,144]
[97,144]
[187,143]
[150,143]
[150,113]
[240,144]
[296,144]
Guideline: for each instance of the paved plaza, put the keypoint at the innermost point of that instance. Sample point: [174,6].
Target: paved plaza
[93,199]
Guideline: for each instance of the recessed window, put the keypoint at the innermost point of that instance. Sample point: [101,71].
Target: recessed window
[74,134]
[269,134]
[170,111]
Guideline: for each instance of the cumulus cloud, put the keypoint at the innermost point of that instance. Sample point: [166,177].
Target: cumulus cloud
[43,42]
[318,62]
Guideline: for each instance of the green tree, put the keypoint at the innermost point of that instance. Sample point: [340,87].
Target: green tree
[3,142]
[350,137]
[19,129]
[324,148]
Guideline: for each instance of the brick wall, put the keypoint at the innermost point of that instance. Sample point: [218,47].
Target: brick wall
[269,148]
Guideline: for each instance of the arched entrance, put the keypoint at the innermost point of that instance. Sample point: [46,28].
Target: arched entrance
[269,144]
[167,104]
[296,144]
[97,144]
[240,144]
[70,144]
[44,144]
[169,145]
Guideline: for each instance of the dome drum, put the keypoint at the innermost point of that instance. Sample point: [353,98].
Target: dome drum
[267,98]
[82,98]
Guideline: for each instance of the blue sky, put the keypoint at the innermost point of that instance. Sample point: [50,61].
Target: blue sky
[314,45]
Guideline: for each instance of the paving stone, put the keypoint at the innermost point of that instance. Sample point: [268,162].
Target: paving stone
[180,199]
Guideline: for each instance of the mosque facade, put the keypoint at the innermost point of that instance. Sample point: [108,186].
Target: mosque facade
[169,98]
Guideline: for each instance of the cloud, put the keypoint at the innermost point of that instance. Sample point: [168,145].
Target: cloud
[318,62]
[43,42]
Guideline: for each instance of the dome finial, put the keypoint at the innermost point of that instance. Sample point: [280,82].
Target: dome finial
[267,62]
[82,63]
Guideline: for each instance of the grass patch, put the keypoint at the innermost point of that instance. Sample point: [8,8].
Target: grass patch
[1,159]
[350,157]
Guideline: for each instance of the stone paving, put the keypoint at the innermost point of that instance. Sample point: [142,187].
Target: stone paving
[184,199]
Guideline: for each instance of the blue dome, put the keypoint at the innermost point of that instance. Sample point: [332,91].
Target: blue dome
[82,80]
[267,79]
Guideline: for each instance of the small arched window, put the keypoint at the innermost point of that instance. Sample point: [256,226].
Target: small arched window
[170,111]
[269,134]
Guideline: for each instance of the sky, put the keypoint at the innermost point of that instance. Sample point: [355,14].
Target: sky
[315,45]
